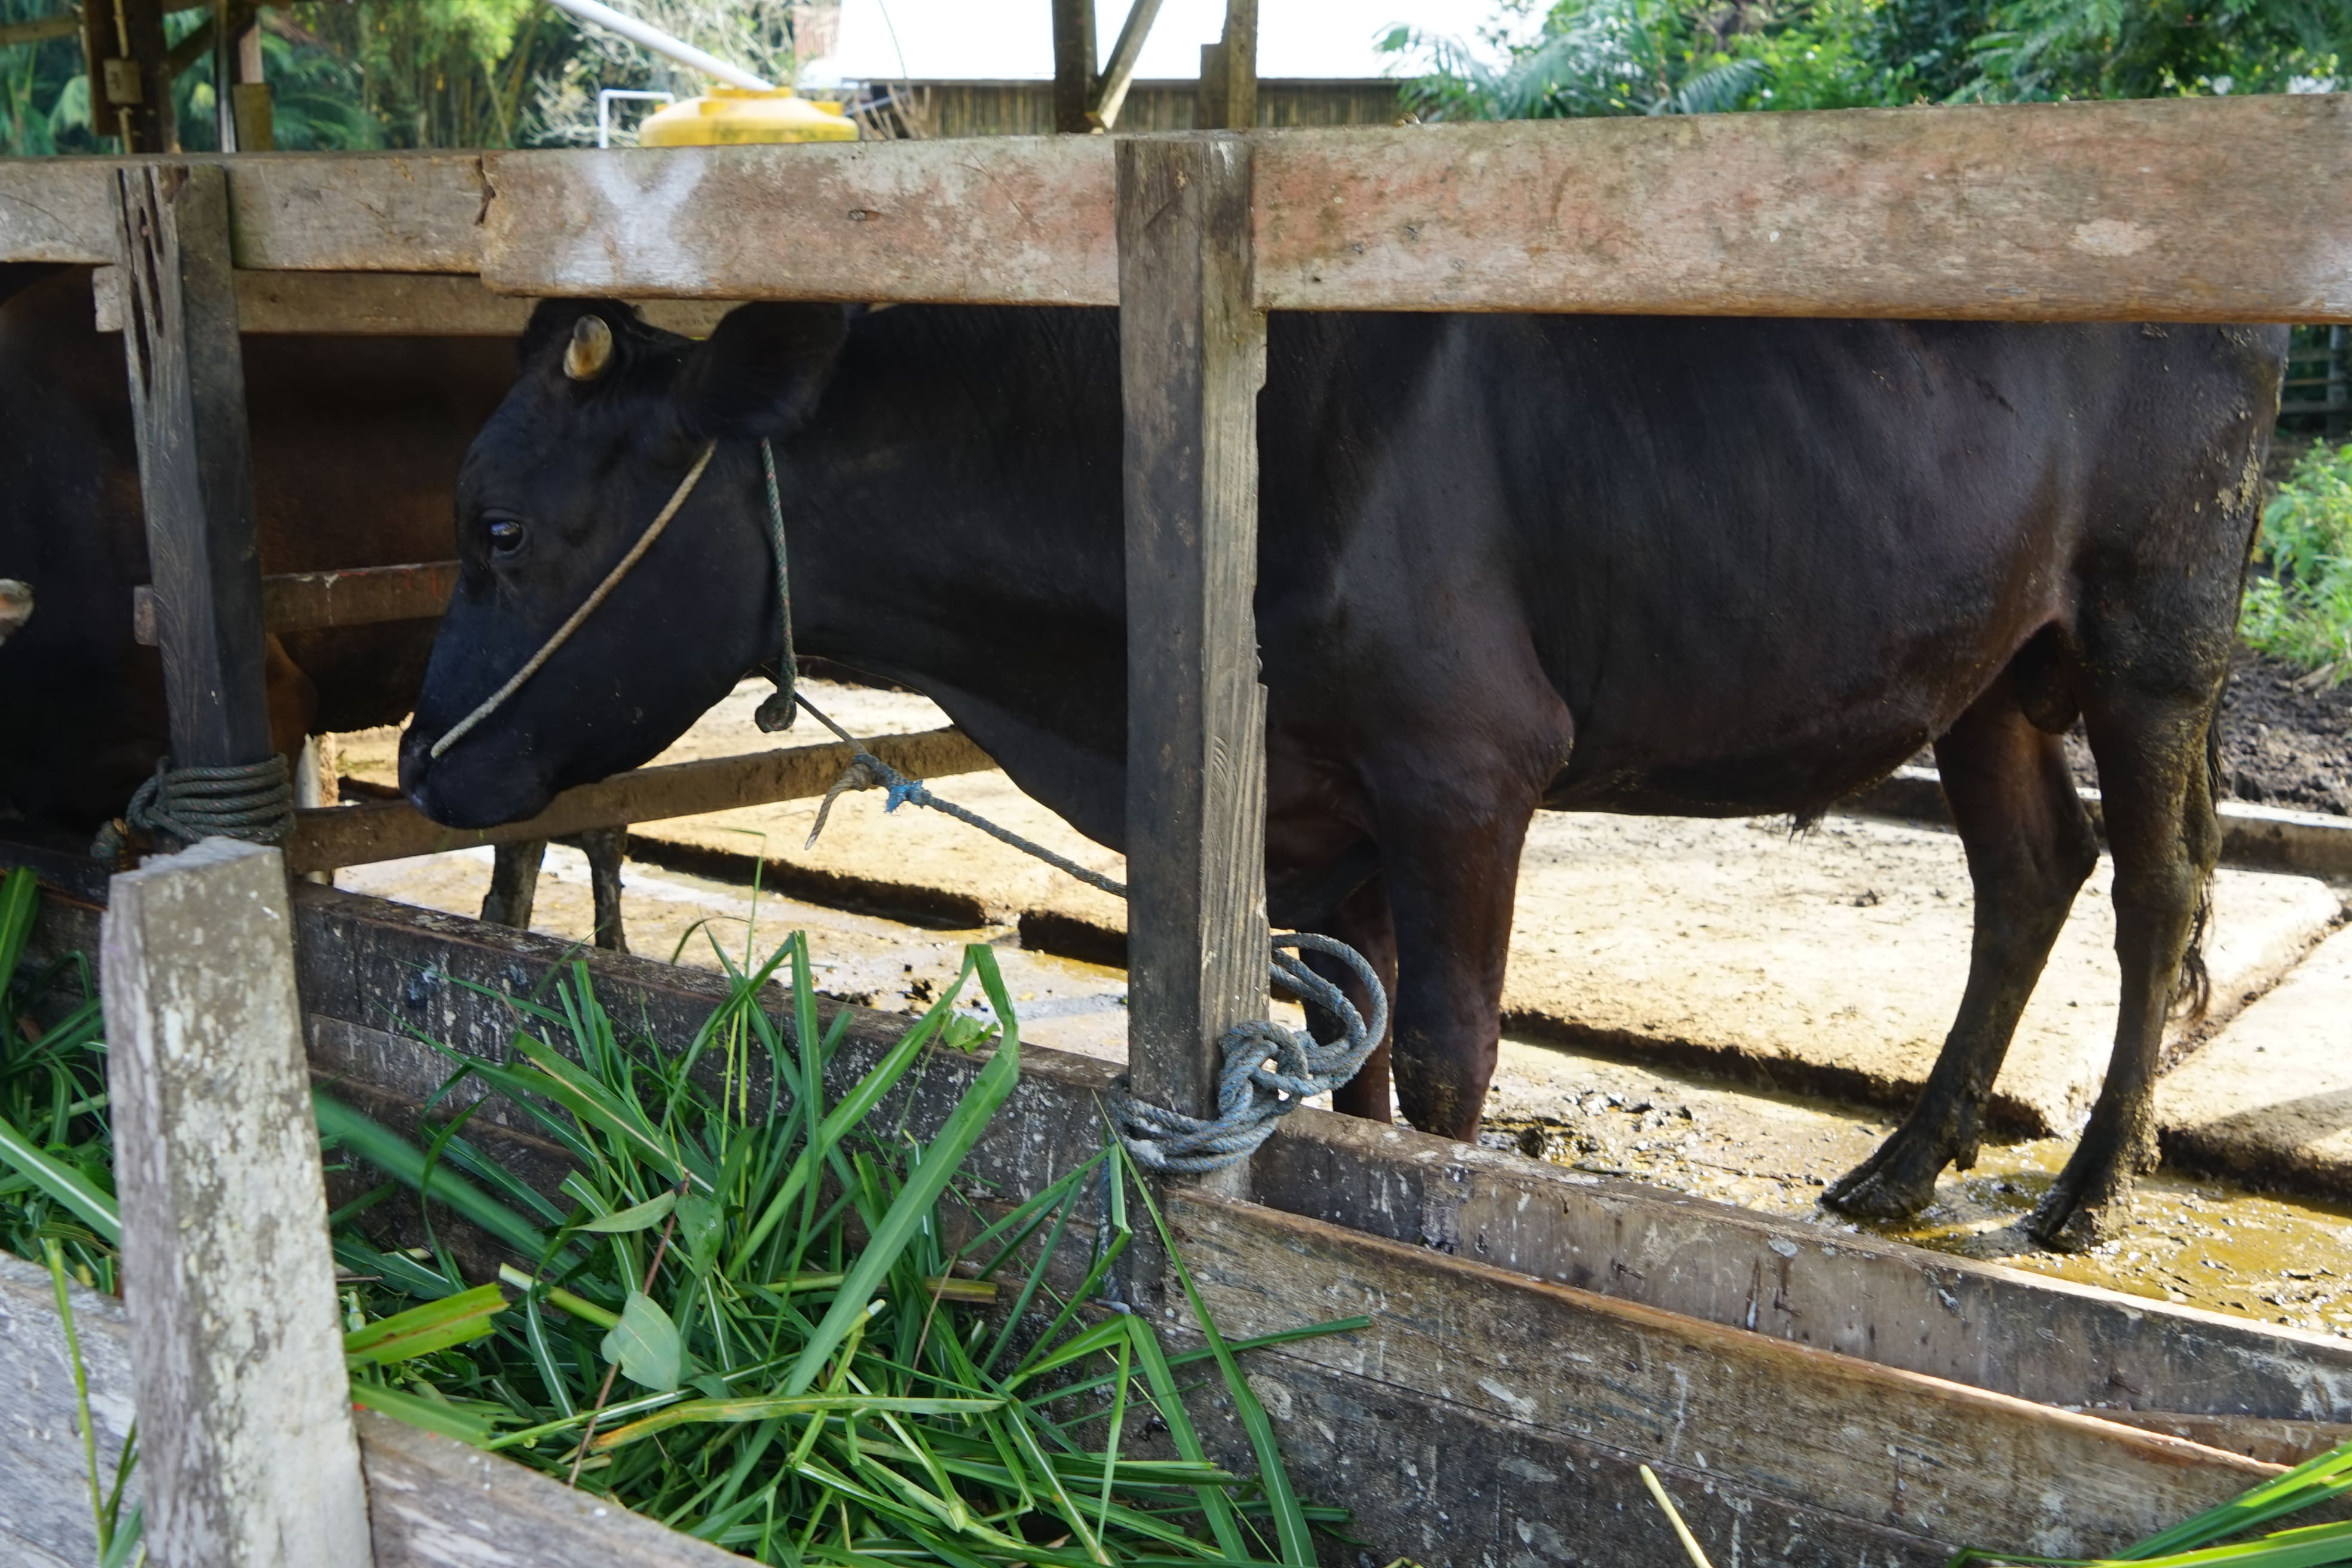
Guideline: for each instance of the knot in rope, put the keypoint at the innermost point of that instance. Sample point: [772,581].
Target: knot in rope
[253,801]
[1269,1071]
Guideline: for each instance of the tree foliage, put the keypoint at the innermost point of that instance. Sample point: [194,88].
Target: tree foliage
[402,73]
[1689,57]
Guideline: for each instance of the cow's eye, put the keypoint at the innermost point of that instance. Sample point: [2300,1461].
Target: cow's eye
[506,536]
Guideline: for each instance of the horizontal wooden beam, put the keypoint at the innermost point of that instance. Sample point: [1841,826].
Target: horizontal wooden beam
[2181,210]
[392,305]
[996,220]
[2184,209]
[333,212]
[327,837]
[1758,1417]
[308,601]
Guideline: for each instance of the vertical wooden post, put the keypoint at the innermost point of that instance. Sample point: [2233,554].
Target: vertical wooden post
[256,129]
[1193,351]
[1074,66]
[124,49]
[247,1453]
[195,465]
[1228,97]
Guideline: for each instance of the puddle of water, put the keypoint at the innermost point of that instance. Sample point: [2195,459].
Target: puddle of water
[2205,1244]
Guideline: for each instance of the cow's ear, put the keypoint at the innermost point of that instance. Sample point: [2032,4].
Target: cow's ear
[761,372]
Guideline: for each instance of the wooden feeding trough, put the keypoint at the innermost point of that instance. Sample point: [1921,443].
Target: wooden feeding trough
[1813,1397]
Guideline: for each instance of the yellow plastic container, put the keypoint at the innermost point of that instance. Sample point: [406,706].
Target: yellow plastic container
[733,116]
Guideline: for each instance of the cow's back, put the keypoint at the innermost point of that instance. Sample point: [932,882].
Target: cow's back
[356,444]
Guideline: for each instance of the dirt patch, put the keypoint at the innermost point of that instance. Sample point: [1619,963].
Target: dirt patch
[2283,744]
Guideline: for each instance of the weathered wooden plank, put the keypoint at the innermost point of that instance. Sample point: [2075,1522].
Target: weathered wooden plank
[392,305]
[246,1445]
[1900,1305]
[328,836]
[1896,1450]
[1010,221]
[44,1486]
[2204,209]
[307,601]
[435,1501]
[196,461]
[1193,357]
[1435,1482]
[2186,209]
[337,212]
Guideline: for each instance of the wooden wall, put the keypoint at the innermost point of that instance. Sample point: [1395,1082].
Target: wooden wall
[1026,107]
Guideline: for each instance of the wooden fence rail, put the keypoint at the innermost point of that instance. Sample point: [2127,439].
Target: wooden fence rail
[2205,209]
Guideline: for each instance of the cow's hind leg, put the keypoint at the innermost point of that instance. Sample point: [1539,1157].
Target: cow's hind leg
[2156,783]
[2030,848]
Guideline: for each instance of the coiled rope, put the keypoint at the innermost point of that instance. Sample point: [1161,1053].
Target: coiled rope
[253,801]
[1269,1071]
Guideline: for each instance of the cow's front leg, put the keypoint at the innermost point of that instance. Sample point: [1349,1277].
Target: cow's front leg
[1363,923]
[1453,870]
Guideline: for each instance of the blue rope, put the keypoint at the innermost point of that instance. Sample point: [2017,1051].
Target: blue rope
[1269,1071]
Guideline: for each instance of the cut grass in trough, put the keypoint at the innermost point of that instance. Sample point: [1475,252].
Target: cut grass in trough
[743,1313]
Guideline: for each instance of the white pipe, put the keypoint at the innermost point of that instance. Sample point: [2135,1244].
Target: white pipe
[661,43]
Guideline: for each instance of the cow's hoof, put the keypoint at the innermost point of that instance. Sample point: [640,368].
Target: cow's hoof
[2078,1213]
[1897,1183]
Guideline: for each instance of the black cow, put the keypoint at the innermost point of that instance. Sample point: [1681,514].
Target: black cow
[1661,566]
[355,442]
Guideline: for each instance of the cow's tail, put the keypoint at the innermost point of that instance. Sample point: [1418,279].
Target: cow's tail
[2192,988]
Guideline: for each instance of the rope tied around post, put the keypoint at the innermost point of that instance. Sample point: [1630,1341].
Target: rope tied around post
[252,801]
[1269,1071]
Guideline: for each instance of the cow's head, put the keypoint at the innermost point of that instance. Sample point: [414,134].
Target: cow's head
[603,423]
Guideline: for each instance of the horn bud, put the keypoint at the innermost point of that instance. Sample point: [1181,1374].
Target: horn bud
[590,349]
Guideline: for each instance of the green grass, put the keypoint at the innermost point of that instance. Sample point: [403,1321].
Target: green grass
[743,1314]
[2299,606]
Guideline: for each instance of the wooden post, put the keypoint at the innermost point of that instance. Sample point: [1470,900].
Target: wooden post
[1118,71]
[1228,97]
[1192,351]
[1074,66]
[256,129]
[247,1454]
[124,51]
[195,468]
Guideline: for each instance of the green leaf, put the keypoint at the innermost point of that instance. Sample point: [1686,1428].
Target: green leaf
[422,1330]
[67,1186]
[396,1156]
[699,1231]
[646,1344]
[641,1217]
[762,1408]
[468,1426]
[19,897]
[912,1208]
